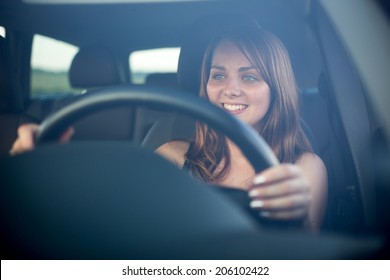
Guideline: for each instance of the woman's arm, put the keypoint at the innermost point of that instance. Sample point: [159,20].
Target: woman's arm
[174,151]
[315,172]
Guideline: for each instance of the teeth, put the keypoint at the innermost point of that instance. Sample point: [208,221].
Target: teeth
[231,107]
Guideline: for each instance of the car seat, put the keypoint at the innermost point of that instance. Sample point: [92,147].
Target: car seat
[168,80]
[158,127]
[93,67]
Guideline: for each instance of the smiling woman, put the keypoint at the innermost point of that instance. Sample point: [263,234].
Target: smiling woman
[340,60]
[246,71]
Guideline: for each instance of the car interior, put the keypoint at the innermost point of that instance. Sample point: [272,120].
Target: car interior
[336,114]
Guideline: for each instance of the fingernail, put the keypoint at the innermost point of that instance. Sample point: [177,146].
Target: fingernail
[254,193]
[256,204]
[258,180]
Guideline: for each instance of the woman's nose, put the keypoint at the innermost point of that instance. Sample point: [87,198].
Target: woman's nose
[231,88]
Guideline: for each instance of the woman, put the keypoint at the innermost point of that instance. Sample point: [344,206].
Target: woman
[247,72]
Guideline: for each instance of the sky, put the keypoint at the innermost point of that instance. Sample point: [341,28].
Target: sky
[51,54]
[162,60]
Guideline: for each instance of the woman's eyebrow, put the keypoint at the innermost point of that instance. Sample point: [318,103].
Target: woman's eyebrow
[243,69]
[221,68]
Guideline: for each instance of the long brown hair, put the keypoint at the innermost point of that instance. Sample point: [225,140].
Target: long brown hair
[208,157]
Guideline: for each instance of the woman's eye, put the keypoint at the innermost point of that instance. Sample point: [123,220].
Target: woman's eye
[218,76]
[249,78]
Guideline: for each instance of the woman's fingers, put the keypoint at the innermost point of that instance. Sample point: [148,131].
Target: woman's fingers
[27,135]
[281,172]
[280,193]
[25,141]
[26,138]
[281,203]
[279,188]
[283,208]
[285,179]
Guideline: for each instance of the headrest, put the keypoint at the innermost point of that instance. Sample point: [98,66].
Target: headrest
[196,41]
[10,90]
[94,67]
[162,79]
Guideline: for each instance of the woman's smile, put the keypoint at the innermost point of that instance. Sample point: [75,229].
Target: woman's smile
[234,108]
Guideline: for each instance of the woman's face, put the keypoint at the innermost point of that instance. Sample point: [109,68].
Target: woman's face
[236,85]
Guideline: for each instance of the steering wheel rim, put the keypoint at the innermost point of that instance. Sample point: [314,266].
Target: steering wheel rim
[253,146]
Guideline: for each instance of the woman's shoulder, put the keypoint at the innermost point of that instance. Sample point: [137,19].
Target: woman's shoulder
[309,158]
[312,164]
[174,151]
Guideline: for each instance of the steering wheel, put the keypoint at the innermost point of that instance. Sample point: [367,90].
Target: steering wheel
[251,143]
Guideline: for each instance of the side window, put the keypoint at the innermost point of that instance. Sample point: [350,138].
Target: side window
[50,63]
[155,61]
[2,31]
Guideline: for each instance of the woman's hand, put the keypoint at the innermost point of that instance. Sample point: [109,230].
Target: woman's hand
[281,193]
[26,138]
[292,191]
